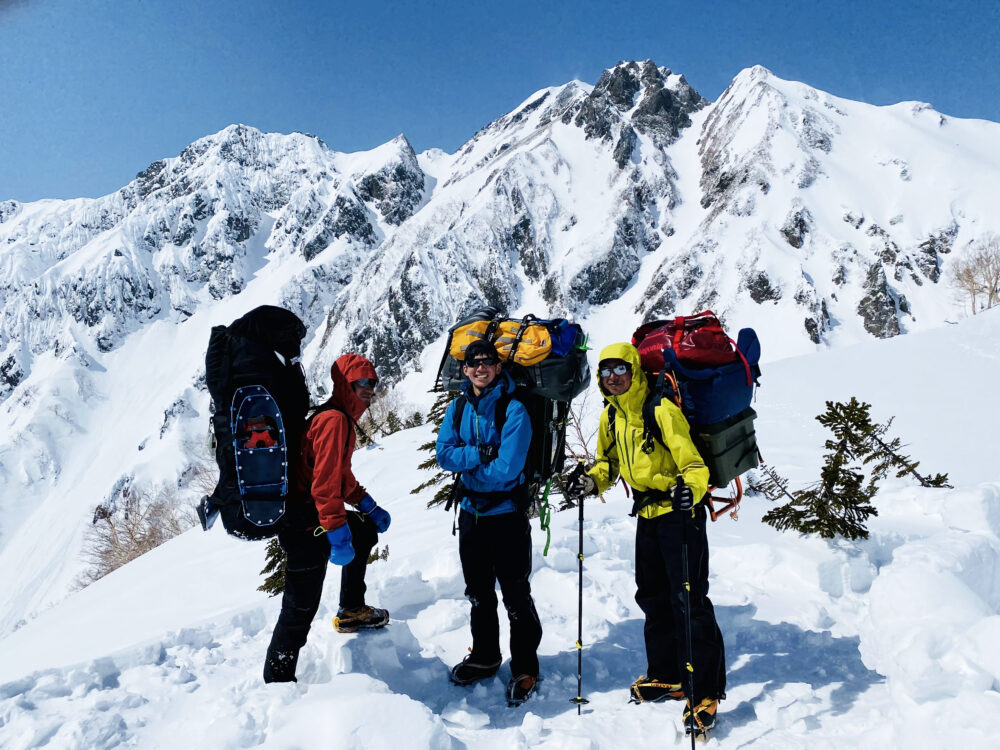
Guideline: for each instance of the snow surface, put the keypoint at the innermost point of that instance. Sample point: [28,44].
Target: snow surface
[888,642]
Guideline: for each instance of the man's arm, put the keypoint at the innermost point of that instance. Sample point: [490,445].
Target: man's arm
[452,452]
[605,470]
[677,437]
[514,442]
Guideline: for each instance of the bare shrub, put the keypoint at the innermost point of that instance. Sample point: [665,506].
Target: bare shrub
[977,274]
[388,413]
[579,439]
[123,531]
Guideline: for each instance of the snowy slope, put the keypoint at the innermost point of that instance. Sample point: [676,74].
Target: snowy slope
[874,644]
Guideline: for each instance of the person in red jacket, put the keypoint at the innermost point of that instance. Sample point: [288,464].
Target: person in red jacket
[322,527]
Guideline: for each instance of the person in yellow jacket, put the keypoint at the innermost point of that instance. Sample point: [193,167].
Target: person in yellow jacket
[651,466]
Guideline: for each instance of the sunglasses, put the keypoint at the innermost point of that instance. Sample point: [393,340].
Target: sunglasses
[607,372]
[473,364]
[366,382]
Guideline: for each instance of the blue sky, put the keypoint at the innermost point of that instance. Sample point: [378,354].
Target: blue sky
[92,91]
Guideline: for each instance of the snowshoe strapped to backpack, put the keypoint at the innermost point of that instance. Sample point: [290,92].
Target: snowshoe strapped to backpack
[548,362]
[714,397]
[260,400]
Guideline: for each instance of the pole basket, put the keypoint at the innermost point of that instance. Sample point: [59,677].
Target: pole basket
[730,505]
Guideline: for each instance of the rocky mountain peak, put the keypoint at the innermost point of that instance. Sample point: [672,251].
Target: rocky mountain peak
[638,97]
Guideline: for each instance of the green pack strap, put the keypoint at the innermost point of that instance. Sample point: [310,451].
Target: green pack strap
[545,516]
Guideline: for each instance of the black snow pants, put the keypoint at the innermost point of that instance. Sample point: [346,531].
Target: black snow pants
[659,593]
[307,560]
[498,549]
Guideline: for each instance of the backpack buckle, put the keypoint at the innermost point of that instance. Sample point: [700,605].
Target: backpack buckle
[647,443]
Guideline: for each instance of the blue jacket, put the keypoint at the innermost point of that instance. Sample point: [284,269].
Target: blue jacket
[459,452]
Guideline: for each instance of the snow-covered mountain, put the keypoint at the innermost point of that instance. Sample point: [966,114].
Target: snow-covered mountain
[819,221]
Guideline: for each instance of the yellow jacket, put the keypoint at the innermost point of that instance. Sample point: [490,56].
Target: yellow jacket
[619,448]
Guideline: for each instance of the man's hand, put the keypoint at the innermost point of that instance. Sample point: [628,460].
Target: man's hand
[341,548]
[683,498]
[488,453]
[379,516]
[578,484]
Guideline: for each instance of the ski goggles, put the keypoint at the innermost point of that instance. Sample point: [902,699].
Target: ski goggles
[478,362]
[607,372]
[366,382]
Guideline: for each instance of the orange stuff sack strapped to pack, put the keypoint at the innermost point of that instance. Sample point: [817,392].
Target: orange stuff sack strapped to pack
[530,342]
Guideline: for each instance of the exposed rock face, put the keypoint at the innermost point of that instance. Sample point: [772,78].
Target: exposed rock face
[928,253]
[10,375]
[8,209]
[797,226]
[878,308]
[657,103]
[761,289]
[397,188]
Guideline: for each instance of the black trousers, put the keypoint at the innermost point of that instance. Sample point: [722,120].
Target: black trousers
[660,595]
[307,560]
[498,549]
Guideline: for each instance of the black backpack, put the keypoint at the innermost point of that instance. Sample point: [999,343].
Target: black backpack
[259,399]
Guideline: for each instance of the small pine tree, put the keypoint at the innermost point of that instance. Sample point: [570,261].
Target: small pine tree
[274,568]
[852,421]
[772,486]
[440,478]
[840,503]
[392,423]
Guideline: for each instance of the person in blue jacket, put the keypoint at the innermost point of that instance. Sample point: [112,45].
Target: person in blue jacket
[494,535]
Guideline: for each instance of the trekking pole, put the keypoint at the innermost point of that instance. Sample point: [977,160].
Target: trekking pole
[684,507]
[580,700]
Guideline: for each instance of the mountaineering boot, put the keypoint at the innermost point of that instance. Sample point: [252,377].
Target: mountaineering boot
[362,618]
[470,671]
[520,688]
[279,666]
[652,690]
[703,719]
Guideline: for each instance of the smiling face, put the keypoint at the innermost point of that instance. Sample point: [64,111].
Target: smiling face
[616,376]
[482,371]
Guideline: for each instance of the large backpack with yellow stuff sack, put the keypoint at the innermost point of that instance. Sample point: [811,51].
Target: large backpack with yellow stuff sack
[547,360]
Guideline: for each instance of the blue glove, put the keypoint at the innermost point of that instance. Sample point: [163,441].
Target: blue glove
[341,548]
[380,517]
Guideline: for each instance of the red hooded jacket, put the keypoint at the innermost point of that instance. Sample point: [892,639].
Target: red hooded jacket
[325,466]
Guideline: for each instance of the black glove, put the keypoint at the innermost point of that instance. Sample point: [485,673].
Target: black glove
[683,497]
[578,483]
[488,452]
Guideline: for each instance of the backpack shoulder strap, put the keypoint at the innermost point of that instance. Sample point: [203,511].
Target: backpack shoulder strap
[500,412]
[457,415]
[650,427]
[351,424]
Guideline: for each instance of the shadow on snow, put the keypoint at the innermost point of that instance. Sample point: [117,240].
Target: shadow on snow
[773,655]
